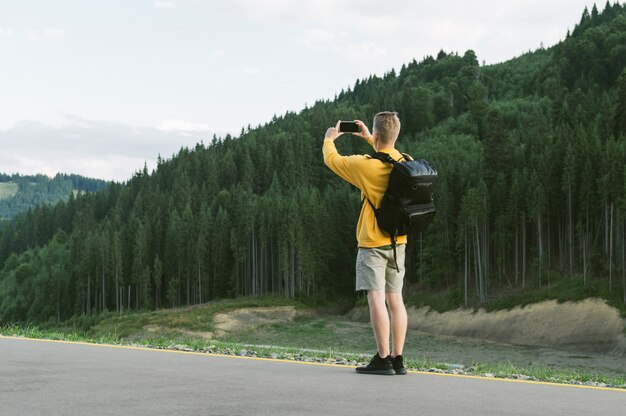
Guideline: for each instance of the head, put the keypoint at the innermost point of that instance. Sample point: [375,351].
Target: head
[386,129]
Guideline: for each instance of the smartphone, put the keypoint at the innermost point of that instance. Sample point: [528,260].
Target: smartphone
[348,127]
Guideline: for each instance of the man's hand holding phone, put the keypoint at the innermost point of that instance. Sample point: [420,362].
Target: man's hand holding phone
[333,132]
[364,132]
[356,128]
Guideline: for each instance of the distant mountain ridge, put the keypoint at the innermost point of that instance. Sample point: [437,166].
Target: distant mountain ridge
[19,193]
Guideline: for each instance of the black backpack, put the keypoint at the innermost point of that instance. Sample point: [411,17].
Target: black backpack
[407,205]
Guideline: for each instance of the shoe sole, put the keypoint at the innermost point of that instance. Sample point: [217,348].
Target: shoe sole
[390,372]
[401,372]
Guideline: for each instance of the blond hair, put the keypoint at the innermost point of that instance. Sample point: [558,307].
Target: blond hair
[387,125]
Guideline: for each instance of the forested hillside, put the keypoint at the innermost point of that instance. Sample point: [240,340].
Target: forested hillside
[22,192]
[531,155]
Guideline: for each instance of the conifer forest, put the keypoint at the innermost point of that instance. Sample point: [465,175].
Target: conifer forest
[531,155]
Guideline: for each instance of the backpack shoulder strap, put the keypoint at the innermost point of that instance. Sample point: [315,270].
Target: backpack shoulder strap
[365,198]
[407,157]
[383,157]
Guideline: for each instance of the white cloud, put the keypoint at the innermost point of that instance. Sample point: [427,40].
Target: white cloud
[259,9]
[366,53]
[408,29]
[6,32]
[46,34]
[250,70]
[291,11]
[33,35]
[54,32]
[183,126]
[105,150]
[108,167]
[320,38]
[164,4]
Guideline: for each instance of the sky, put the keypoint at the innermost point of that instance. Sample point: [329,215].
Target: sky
[101,87]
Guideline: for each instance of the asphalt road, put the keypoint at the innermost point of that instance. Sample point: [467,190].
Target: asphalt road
[56,378]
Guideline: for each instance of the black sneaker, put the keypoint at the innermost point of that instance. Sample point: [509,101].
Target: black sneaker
[398,365]
[378,365]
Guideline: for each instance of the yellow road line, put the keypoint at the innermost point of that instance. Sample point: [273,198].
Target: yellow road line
[281,360]
[132,347]
[512,380]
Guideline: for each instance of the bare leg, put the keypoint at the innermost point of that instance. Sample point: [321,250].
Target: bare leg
[380,320]
[398,321]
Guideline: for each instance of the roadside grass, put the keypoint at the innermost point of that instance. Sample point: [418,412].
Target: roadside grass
[193,318]
[312,337]
[547,374]
[329,355]
[304,332]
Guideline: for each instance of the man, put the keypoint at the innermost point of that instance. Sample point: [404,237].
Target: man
[375,265]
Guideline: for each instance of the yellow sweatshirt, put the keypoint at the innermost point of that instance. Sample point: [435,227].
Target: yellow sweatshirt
[371,176]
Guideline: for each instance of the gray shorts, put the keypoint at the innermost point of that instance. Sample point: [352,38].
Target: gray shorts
[376,269]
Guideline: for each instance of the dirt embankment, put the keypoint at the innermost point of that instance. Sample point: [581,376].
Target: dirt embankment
[590,325]
[246,319]
[235,321]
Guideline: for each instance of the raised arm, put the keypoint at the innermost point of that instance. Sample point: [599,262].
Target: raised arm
[336,162]
[364,133]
